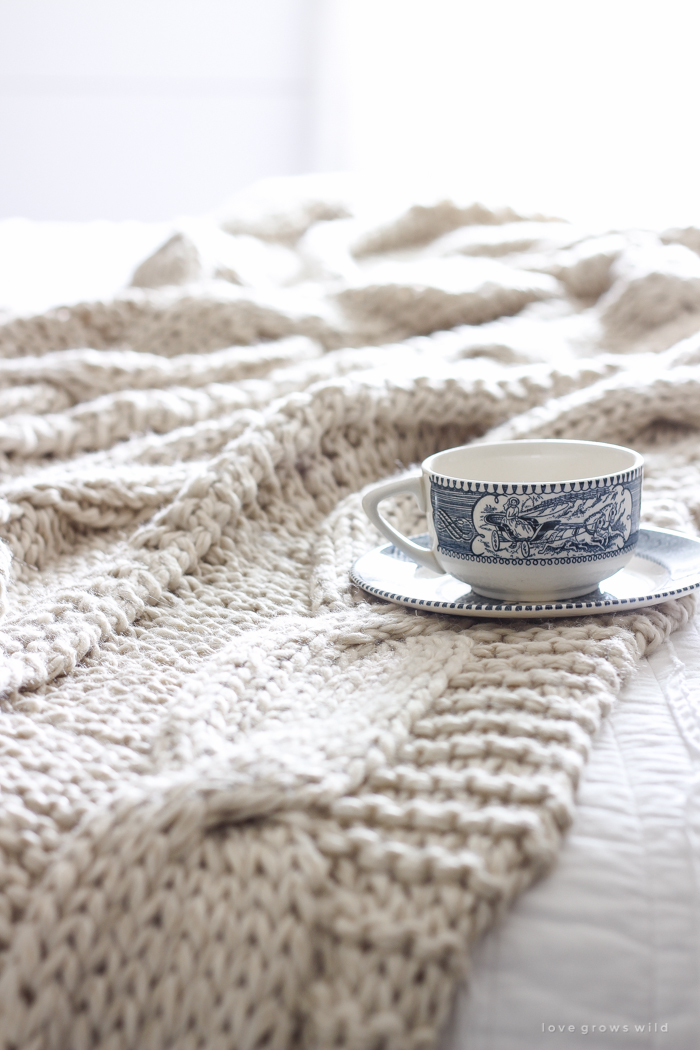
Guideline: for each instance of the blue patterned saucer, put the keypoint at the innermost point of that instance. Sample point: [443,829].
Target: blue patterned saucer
[665,565]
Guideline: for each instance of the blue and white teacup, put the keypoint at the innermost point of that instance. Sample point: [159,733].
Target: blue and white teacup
[525,520]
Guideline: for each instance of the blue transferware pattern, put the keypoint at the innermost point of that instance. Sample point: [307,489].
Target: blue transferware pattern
[555,524]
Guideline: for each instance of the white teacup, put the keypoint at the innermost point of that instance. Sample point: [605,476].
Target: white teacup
[526,520]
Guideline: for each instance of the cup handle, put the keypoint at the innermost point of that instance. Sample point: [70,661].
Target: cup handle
[412,483]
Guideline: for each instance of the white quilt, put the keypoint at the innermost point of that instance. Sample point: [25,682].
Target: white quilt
[612,936]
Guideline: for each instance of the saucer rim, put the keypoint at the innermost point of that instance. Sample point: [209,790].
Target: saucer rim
[538,610]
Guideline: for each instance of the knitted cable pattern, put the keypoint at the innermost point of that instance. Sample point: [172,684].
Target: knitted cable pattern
[245,806]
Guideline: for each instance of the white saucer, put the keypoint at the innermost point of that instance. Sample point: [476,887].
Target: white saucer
[665,565]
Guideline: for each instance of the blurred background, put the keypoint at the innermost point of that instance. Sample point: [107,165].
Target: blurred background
[149,109]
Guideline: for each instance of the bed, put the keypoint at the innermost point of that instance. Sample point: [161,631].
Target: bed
[515,326]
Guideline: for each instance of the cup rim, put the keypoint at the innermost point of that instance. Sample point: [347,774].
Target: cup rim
[637,464]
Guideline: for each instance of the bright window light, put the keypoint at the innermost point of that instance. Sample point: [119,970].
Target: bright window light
[590,110]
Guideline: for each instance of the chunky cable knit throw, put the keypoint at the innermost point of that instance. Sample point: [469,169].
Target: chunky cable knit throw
[243,804]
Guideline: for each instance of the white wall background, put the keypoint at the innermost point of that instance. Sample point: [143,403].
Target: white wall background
[152,108]
[146,109]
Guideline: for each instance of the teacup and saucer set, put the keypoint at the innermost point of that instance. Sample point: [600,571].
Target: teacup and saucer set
[527,529]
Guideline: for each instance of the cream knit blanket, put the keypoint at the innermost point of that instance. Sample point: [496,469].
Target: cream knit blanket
[244,805]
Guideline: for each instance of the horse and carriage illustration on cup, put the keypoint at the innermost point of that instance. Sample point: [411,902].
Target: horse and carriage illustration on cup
[543,525]
[517,531]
